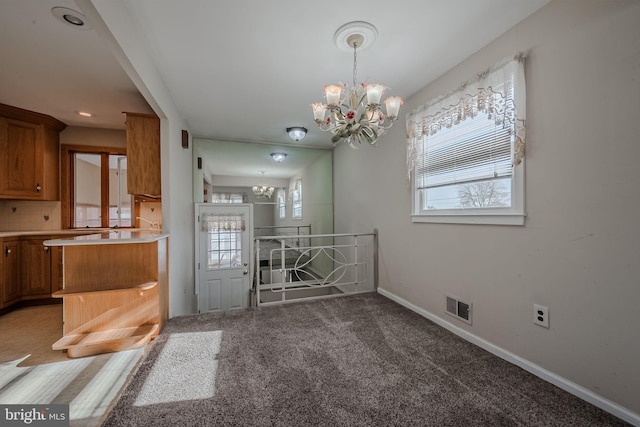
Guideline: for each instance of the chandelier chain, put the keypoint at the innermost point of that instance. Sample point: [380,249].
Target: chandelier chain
[355,63]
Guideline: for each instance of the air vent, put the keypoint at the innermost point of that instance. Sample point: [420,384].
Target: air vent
[459,309]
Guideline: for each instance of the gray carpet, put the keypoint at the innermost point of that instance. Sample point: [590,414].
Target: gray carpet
[353,361]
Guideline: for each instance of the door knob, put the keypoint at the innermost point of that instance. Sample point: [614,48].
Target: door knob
[245,272]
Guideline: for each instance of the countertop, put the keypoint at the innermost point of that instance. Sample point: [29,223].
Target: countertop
[110,237]
[46,232]
[62,232]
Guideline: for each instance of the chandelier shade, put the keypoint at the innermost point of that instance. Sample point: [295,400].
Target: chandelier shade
[355,114]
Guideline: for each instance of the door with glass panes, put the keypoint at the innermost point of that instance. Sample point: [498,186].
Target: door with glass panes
[224,256]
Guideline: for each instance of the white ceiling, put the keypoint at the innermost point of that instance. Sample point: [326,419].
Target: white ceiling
[239,70]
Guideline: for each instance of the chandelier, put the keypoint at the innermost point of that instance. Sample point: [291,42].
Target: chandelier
[357,116]
[263,191]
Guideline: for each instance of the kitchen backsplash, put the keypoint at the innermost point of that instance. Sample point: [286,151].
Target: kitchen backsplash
[152,212]
[23,215]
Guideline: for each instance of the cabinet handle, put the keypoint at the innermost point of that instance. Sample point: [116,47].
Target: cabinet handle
[8,251]
[46,248]
[38,188]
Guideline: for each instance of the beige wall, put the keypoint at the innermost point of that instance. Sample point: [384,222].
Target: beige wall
[579,249]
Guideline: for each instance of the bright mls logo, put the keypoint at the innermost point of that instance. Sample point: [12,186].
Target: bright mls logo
[34,415]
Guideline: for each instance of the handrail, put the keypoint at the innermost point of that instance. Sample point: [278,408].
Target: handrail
[312,236]
[347,267]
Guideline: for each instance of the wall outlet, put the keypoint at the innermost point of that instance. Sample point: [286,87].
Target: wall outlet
[541,315]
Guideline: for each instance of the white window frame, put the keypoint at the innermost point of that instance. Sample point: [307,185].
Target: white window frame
[282,203]
[296,200]
[218,197]
[512,215]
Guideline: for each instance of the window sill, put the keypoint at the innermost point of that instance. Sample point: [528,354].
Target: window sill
[490,219]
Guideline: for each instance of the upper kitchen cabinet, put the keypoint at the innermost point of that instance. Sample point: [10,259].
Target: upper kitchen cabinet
[143,155]
[30,160]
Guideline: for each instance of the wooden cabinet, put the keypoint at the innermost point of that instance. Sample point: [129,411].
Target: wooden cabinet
[28,269]
[30,161]
[115,294]
[35,268]
[143,154]
[10,271]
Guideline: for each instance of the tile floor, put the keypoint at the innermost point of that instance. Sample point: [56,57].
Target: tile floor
[32,373]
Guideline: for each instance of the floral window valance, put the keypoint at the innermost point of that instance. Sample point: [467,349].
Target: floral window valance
[498,92]
[216,222]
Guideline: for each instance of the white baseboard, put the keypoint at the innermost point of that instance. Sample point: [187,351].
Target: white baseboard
[563,383]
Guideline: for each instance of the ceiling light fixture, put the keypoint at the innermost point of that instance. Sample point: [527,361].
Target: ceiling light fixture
[84,114]
[297,132]
[356,117]
[278,157]
[71,17]
[263,191]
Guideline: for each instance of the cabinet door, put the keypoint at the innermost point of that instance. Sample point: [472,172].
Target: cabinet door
[35,262]
[22,172]
[143,155]
[11,254]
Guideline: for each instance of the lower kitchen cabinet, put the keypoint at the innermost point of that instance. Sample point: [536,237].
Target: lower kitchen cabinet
[10,271]
[28,269]
[35,268]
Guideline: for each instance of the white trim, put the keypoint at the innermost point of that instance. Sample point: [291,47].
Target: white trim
[565,384]
[494,219]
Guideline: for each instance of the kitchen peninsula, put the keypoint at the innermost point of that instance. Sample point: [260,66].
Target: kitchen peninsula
[115,290]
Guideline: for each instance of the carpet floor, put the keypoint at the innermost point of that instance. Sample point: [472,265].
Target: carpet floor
[354,361]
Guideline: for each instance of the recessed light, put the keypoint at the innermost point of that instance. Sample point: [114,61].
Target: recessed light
[85,114]
[71,17]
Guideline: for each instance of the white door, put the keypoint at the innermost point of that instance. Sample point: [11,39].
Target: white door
[224,238]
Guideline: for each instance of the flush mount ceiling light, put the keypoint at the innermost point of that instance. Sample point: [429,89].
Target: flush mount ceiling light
[85,114]
[71,17]
[297,132]
[356,117]
[278,157]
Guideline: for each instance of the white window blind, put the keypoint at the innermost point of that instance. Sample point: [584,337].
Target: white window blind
[474,150]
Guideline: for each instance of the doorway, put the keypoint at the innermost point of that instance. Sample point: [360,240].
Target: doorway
[224,235]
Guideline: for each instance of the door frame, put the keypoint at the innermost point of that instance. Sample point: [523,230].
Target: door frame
[197,242]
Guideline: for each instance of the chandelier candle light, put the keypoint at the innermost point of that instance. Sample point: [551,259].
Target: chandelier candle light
[357,117]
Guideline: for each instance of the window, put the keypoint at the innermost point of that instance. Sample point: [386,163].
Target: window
[296,199]
[224,242]
[227,198]
[95,187]
[282,205]
[466,152]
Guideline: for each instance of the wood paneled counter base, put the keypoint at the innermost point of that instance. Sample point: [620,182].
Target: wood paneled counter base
[115,291]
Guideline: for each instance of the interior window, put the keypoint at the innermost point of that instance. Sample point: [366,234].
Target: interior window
[296,198]
[95,180]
